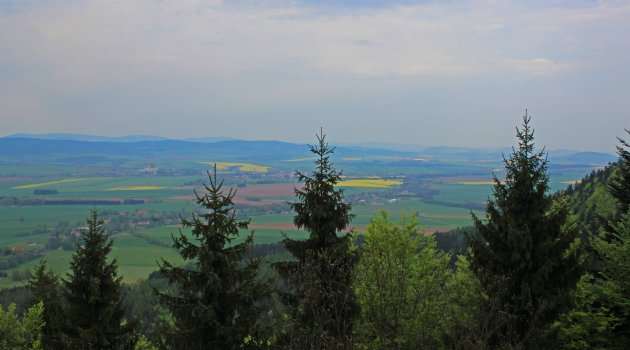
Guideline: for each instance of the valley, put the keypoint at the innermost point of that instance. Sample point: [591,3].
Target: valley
[142,188]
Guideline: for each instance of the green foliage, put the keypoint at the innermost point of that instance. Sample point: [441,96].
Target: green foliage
[143,305]
[401,285]
[216,304]
[619,185]
[144,344]
[321,302]
[529,244]
[24,333]
[44,287]
[601,316]
[320,208]
[20,296]
[591,202]
[93,294]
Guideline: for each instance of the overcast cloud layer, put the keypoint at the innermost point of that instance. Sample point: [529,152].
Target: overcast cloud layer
[454,73]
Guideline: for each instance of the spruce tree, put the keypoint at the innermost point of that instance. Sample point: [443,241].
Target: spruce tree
[600,318]
[619,185]
[44,287]
[321,303]
[216,299]
[93,295]
[526,252]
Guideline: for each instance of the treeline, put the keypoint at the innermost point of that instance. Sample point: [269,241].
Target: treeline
[527,276]
[19,201]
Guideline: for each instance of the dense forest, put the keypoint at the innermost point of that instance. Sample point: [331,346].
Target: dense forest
[539,270]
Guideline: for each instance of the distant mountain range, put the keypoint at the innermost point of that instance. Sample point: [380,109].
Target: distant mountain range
[50,146]
[88,138]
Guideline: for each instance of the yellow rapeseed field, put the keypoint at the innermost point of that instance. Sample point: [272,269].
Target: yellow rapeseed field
[299,159]
[136,188]
[47,183]
[472,183]
[245,167]
[375,183]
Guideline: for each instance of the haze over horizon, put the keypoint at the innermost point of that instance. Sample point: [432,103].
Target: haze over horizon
[456,73]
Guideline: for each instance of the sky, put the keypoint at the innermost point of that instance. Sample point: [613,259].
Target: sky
[454,73]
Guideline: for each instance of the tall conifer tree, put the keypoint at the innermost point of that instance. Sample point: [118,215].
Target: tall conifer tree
[322,304]
[619,186]
[93,295]
[44,285]
[217,300]
[525,253]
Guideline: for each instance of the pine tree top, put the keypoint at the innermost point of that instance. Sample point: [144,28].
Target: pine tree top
[215,227]
[619,186]
[321,209]
[526,179]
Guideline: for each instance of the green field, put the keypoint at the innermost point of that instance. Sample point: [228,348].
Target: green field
[137,253]
[136,260]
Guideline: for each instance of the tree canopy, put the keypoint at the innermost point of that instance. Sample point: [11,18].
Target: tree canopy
[94,312]
[215,302]
[321,301]
[526,253]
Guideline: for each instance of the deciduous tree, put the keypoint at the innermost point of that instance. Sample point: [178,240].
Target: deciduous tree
[23,333]
[401,285]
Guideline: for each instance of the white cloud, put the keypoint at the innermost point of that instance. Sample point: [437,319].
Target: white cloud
[537,66]
[83,41]
[148,60]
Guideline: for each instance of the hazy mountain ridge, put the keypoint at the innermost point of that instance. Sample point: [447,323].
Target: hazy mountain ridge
[88,138]
[32,146]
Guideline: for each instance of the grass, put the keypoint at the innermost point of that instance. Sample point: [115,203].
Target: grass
[433,216]
[158,188]
[136,260]
[137,188]
[56,260]
[458,193]
[261,235]
[29,186]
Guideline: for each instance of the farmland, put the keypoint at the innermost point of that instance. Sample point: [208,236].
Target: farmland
[244,167]
[142,195]
[371,183]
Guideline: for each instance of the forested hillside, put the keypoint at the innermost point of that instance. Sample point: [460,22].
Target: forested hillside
[590,199]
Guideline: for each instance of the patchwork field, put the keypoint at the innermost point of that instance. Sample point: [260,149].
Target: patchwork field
[143,197]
